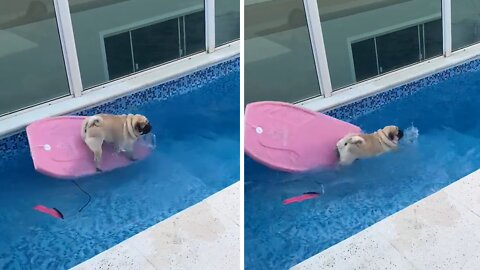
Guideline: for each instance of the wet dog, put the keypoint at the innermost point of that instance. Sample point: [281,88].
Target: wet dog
[360,146]
[120,130]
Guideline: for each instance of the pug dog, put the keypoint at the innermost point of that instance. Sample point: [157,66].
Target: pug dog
[120,130]
[360,146]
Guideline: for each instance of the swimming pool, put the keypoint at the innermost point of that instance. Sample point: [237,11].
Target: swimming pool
[446,114]
[197,154]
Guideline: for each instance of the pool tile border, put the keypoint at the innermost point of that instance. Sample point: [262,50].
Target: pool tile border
[13,144]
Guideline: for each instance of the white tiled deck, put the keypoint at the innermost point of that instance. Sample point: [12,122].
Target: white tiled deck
[441,231]
[204,236]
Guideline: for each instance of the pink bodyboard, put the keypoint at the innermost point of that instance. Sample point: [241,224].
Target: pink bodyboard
[288,138]
[58,150]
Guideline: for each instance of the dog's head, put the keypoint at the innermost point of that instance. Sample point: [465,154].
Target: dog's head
[393,133]
[141,124]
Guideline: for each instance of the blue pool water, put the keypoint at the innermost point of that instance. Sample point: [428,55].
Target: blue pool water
[197,154]
[448,148]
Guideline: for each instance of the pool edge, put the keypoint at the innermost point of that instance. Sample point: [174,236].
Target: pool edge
[418,236]
[216,215]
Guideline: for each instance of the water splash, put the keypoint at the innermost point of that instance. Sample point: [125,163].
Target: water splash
[411,134]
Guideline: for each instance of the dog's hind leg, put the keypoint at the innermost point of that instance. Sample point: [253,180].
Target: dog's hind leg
[96,146]
[98,158]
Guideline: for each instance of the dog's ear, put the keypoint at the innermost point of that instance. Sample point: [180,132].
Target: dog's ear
[391,135]
[138,126]
[134,123]
[356,140]
[142,125]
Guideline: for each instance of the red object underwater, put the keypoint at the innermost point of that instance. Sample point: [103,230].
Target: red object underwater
[54,212]
[301,198]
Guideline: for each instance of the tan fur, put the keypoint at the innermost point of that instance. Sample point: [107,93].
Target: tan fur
[120,130]
[359,146]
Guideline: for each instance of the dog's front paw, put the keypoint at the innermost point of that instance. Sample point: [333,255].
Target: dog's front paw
[130,156]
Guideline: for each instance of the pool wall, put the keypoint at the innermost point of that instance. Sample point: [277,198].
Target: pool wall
[15,143]
[359,107]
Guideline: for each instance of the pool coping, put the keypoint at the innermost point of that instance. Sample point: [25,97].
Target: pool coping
[203,236]
[437,232]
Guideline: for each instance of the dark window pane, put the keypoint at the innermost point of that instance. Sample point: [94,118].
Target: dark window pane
[433,38]
[195,32]
[156,44]
[398,49]
[364,59]
[119,55]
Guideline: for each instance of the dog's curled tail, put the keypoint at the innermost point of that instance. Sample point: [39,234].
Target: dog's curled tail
[90,122]
[93,121]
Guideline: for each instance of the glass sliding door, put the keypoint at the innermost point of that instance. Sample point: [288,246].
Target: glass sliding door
[384,53]
[31,59]
[365,38]
[227,21]
[278,57]
[465,23]
[115,38]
